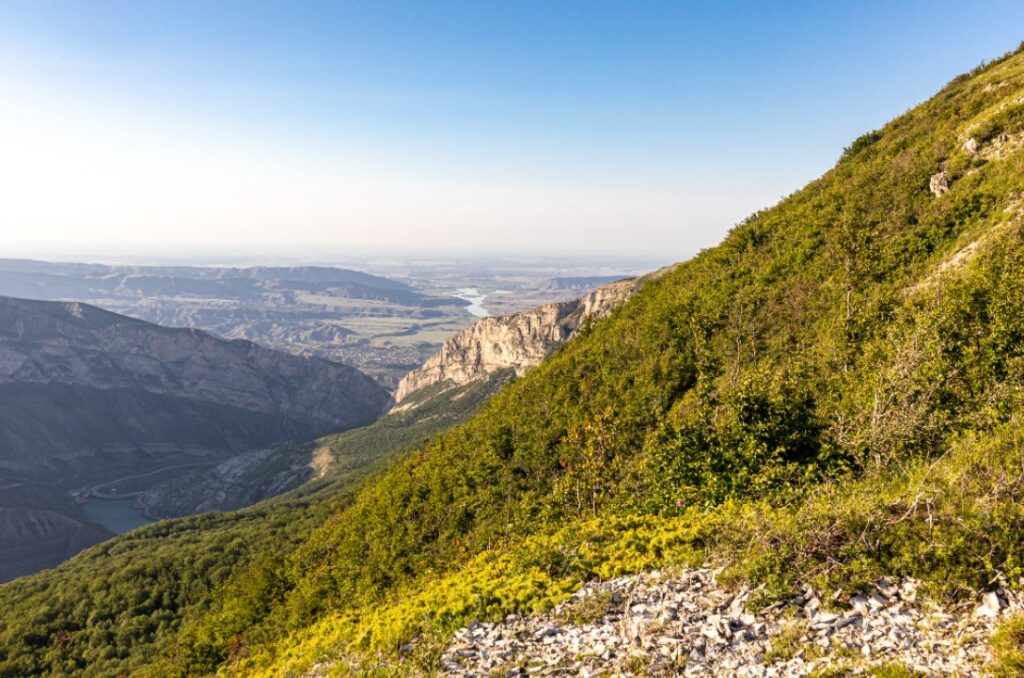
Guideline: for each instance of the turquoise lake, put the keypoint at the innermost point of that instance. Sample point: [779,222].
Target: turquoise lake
[117,515]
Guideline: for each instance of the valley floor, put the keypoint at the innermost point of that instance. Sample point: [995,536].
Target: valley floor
[686,624]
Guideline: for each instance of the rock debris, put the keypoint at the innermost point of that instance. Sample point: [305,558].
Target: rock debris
[686,624]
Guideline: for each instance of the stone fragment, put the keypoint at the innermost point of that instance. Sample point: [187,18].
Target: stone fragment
[939,183]
[991,605]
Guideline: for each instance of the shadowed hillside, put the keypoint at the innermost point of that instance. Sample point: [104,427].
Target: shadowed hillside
[89,397]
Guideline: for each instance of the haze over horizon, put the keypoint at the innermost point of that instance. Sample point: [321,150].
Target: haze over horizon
[174,130]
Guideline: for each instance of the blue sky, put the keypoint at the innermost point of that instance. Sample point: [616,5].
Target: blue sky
[640,128]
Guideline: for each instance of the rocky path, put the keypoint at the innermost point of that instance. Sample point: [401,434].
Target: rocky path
[685,624]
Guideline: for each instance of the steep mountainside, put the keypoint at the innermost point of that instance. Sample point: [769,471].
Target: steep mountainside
[517,341]
[829,397]
[88,397]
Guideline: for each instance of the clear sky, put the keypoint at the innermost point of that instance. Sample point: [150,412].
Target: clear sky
[637,127]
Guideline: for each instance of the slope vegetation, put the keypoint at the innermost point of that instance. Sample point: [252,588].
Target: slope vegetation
[833,354]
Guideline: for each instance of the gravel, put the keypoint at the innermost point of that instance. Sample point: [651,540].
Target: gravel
[686,624]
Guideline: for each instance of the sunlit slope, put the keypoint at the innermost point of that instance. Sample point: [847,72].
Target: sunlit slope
[861,327]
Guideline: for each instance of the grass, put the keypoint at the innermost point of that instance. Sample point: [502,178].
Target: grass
[894,670]
[790,642]
[956,522]
[589,609]
[1008,648]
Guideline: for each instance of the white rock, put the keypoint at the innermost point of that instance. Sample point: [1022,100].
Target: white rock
[692,631]
[938,184]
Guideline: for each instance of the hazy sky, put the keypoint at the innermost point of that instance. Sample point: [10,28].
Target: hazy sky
[301,128]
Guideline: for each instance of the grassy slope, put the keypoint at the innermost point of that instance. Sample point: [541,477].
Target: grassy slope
[114,606]
[802,385]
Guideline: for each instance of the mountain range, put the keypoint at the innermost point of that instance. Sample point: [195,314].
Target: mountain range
[821,415]
[329,312]
[89,397]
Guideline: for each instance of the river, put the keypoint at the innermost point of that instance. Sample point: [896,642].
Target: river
[475,299]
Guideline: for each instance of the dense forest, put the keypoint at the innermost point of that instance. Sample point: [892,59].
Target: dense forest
[830,395]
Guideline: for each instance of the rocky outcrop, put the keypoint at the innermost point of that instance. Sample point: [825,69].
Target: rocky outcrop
[1000,147]
[517,341]
[685,624]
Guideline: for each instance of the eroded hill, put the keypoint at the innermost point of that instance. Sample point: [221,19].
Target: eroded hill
[92,402]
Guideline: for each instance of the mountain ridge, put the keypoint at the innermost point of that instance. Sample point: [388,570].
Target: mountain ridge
[88,396]
[135,349]
[325,311]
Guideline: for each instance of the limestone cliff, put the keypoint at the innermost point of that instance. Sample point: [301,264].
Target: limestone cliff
[517,341]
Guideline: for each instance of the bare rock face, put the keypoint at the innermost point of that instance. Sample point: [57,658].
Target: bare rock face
[938,184]
[517,341]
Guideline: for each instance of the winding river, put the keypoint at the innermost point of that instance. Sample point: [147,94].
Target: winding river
[475,299]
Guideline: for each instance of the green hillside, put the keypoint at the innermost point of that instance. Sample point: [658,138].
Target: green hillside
[831,394]
[112,608]
[826,340]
